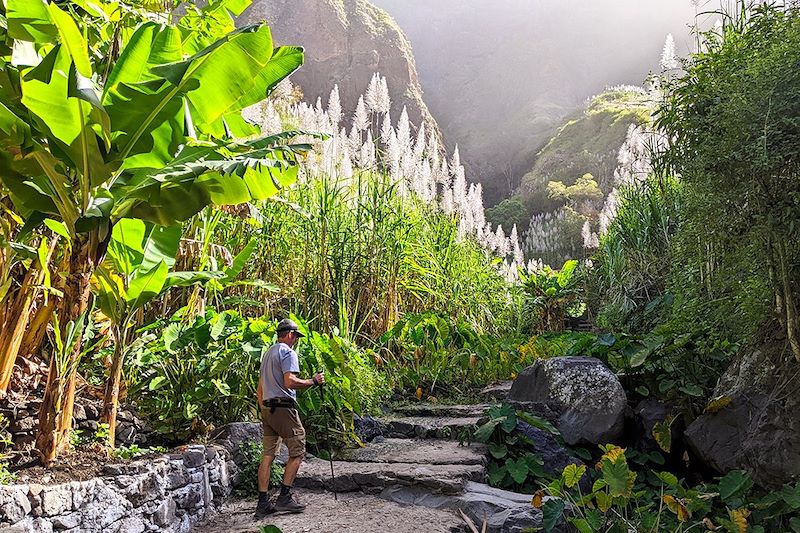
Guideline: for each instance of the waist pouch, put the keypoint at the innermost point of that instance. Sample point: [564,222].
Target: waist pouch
[280,403]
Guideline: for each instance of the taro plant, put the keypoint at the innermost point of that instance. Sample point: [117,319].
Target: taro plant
[553,295]
[620,500]
[513,462]
[143,132]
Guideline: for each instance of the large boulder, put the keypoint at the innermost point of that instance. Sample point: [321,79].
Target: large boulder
[754,422]
[587,397]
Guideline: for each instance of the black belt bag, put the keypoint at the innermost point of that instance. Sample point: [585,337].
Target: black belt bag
[280,403]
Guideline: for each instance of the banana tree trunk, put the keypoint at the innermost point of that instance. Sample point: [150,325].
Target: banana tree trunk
[55,414]
[792,319]
[111,397]
[17,316]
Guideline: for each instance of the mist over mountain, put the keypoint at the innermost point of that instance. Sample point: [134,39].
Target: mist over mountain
[500,77]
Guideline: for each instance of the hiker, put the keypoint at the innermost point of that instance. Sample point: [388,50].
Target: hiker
[277,394]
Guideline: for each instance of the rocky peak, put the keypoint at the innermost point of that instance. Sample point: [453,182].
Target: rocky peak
[346,41]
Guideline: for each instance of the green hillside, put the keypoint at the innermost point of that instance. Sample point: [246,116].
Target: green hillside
[588,143]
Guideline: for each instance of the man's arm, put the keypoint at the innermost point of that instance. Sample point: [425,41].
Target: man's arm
[260,392]
[291,381]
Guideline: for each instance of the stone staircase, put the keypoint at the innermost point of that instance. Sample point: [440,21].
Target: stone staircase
[419,461]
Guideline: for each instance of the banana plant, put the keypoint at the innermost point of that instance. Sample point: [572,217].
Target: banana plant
[136,270]
[155,140]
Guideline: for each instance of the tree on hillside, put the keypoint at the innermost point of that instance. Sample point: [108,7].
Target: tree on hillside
[732,124]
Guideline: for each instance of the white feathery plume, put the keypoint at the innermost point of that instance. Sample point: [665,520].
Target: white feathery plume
[384,101]
[367,156]
[668,59]
[335,107]
[372,96]
[360,117]
[386,128]
[404,131]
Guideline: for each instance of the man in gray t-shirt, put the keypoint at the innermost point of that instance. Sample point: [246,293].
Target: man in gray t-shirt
[277,391]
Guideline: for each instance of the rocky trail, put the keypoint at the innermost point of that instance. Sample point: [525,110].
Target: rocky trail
[412,476]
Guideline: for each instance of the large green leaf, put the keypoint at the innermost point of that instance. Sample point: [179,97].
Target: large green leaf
[161,244]
[125,248]
[134,95]
[231,74]
[72,40]
[146,286]
[29,20]
[552,511]
[734,484]
[137,247]
[240,260]
[66,109]
[200,176]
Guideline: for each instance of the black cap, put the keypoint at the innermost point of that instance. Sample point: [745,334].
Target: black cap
[289,325]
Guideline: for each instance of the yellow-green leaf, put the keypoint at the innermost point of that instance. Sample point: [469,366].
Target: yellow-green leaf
[572,474]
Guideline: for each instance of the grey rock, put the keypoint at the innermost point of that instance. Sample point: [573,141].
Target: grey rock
[587,396]
[194,456]
[367,428]
[131,525]
[232,436]
[374,477]
[14,503]
[92,412]
[126,435]
[30,525]
[650,412]
[554,455]
[442,410]
[428,426]
[498,391]
[56,500]
[188,497]
[79,412]
[67,521]
[759,431]
[177,477]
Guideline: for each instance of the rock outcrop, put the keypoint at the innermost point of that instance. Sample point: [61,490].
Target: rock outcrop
[346,42]
[754,424]
[587,397]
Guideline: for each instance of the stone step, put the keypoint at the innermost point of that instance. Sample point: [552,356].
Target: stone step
[430,427]
[497,391]
[436,409]
[427,451]
[372,478]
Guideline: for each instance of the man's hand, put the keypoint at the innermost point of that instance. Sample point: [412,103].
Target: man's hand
[318,379]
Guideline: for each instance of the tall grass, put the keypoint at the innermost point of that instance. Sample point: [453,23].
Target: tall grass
[355,254]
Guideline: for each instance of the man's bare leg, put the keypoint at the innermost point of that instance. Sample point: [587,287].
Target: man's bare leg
[264,472]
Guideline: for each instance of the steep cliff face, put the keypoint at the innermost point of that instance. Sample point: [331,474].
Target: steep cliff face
[346,41]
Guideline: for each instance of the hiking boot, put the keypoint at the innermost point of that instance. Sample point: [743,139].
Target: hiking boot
[287,503]
[263,509]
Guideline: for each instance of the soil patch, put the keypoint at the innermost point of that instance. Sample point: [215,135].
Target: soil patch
[352,513]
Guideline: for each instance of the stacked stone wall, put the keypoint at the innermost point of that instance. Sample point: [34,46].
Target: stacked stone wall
[170,493]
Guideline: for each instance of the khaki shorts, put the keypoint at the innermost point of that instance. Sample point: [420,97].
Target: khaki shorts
[283,425]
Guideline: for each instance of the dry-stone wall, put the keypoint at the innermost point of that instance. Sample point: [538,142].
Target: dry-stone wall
[170,493]
[86,417]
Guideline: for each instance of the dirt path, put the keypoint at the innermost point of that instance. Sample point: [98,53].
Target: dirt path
[352,513]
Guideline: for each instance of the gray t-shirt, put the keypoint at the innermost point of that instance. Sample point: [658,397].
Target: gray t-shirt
[278,360]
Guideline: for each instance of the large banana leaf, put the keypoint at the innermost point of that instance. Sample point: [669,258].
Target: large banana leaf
[136,247]
[203,175]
